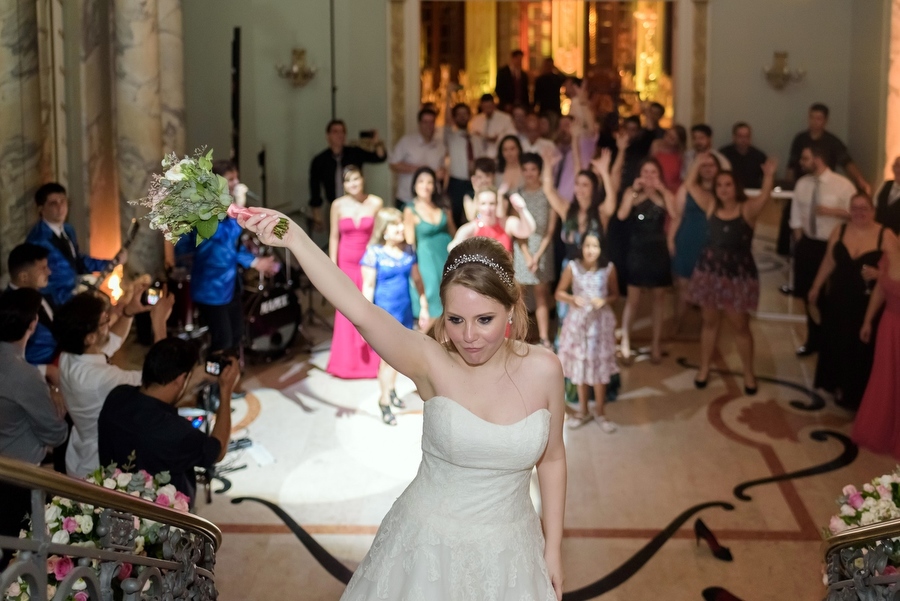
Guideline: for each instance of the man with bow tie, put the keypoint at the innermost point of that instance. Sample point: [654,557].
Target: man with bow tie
[65,260]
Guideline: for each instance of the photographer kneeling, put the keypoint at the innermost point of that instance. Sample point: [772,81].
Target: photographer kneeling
[144,420]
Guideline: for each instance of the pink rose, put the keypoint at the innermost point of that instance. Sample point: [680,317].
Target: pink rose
[69,525]
[116,472]
[148,479]
[889,571]
[836,525]
[163,500]
[856,500]
[62,567]
[51,563]
[884,492]
[182,501]
[849,490]
[125,571]
[81,596]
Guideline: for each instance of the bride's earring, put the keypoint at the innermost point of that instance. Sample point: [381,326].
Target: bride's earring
[509,319]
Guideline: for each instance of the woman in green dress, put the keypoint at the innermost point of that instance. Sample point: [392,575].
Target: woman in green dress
[429,228]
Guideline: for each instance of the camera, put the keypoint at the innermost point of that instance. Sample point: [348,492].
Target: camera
[152,296]
[367,133]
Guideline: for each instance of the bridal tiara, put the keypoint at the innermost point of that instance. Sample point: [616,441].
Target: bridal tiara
[463,259]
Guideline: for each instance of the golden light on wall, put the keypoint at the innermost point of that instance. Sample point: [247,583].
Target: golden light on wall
[567,36]
[892,128]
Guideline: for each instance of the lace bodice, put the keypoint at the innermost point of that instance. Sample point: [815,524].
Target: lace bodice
[465,529]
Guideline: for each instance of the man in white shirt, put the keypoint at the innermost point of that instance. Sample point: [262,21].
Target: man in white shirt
[87,338]
[821,203]
[489,127]
[421,149]
[532,141]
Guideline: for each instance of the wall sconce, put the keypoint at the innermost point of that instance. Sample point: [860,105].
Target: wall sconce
[298,72]
[778,75]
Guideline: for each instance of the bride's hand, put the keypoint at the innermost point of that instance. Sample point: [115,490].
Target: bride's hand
[262,223]
[555,570]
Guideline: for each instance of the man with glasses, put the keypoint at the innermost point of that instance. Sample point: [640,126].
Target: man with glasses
[87,337]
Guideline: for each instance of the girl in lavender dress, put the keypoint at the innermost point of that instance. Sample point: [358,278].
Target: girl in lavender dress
[387,268]
[587,344]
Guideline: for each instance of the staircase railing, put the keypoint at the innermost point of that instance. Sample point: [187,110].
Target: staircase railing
[857,560]
[188,543]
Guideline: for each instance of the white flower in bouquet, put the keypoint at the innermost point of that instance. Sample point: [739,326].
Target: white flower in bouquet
[60,537]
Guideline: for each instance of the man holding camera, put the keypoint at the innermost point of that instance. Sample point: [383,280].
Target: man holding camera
[87,338]
[143,420]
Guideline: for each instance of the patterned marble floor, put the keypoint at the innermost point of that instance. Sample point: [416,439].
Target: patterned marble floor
[322,455]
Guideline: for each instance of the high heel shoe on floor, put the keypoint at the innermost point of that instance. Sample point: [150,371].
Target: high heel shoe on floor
[702,531]
[701,384]
[387,416]
[397,401]
[750,390]
[717,593]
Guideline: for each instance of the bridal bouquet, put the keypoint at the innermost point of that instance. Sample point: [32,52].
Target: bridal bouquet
[189,196]
[72,523]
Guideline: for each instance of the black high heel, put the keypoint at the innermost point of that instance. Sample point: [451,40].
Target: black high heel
[717,593]
[701,384]
[397,401]
[387,416]
[750,390]
[701,530]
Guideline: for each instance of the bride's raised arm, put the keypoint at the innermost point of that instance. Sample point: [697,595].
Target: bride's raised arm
[408,351]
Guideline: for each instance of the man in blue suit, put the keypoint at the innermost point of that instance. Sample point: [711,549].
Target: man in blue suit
[53,233]
[214,273]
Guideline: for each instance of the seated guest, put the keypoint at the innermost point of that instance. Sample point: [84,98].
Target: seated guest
[53,233]
[30,419]
[28,268]
[144,421]
[746,160]
[87,340]
[887,209]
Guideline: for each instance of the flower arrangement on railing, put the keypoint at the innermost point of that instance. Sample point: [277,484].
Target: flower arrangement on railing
[189,196]
[76,524]
[879,500]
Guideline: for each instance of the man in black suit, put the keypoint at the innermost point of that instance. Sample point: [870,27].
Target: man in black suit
[512,83]
[326,172]
[887,202]
[546,89]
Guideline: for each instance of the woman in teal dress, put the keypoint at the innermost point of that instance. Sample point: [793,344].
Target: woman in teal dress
[689,230]
[429,229]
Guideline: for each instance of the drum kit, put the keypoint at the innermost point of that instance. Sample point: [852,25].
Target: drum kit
[272,314]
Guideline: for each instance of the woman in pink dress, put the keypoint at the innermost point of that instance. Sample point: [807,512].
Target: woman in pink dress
[352,220]
[877,425]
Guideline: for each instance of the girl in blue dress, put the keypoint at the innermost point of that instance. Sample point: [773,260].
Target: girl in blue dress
[387,267]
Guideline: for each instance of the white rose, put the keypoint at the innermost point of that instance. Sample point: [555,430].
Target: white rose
[886,480]
[60,537]
[866,519]
[109,483]
[65,502]
[167,490]
[85,522]
[123,480]
[139,545]
[174,174]
[52,513]
[847,510]
[51,590]
[79,585]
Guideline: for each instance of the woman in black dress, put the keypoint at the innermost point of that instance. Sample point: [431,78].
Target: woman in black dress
[725,281]
[646,205]
[841,290]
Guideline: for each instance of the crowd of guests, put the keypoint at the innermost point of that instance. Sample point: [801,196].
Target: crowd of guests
[595,212]
[667,210]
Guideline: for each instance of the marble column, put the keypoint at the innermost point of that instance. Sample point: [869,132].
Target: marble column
[700,61]
[892,129]
[97,124]
[144,38]
[21,135]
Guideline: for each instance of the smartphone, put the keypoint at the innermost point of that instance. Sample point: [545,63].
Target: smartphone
[367,133]
[153,296]
[213,367]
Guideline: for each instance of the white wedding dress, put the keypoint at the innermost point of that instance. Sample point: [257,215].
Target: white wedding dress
[465,528]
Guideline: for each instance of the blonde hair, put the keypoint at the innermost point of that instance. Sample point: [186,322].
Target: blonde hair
[383,218]
[486,280]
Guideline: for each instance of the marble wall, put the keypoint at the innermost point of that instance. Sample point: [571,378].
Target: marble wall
[21,133]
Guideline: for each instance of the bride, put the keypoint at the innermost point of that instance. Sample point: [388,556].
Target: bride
[465,528]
